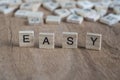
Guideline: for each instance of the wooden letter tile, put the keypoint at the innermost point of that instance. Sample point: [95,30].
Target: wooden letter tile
[21,13]
[53,20]
[62,13]
[26,38]
[46,40]
[70,40]
[34,20]
[93,41]
[110,19]
[73,18]
[68,5]
[85,4]
[51,6]
[30,6]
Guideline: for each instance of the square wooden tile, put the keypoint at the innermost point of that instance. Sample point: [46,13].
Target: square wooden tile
[63,13]
[51,6]
[46,40]
[21,13]
[26,38]
[53,20]
[93,41]
[85,4]
[70,40]
[30,6]
[68,5]
[110,19]
[35,20]
[73,18]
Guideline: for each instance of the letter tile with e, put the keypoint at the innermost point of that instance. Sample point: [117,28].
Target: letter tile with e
[26,38]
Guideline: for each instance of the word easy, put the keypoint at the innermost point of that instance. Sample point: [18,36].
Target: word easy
[69,40]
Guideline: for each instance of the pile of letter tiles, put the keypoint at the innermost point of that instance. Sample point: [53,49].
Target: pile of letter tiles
[71,11]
